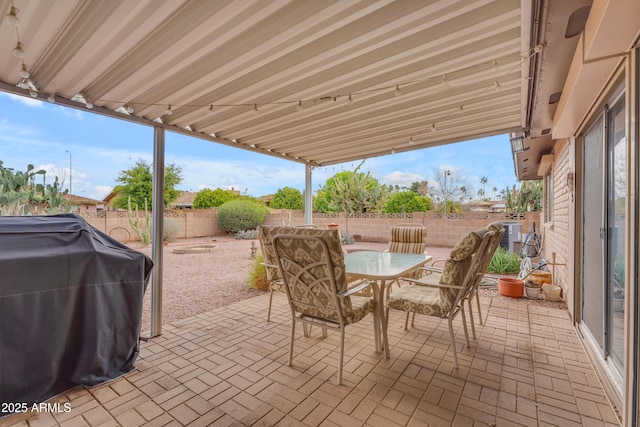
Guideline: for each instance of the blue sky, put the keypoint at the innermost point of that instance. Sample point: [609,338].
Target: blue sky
[45,134]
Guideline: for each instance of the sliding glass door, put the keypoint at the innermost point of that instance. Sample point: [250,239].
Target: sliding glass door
[604,214]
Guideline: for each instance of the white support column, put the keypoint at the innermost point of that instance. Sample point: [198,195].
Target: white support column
[157,207]
[308,196]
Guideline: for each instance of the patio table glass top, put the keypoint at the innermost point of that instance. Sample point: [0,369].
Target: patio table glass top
[382,265]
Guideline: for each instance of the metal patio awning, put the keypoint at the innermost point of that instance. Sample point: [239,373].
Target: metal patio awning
[317,82]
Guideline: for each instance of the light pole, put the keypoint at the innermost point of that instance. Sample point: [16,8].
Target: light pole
[70,173]
[444,209]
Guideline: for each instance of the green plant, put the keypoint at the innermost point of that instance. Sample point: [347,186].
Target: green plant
[241,214]
[351,192]
[170,230]
[527,198]
[20,195]
[503,262]
[53,201]
[287,198]
[258,274]
[142,228]
[407,201]
[209,198]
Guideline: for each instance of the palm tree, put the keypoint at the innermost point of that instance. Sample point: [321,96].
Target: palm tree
[483,181]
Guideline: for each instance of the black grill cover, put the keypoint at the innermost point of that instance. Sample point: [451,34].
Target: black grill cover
[70,306]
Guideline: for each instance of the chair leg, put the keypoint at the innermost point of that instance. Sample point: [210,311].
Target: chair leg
[406,322]
[453,343]
[464,324]
[473,327]
[293,333]
[270,300]
[413,318]
[341,354]
[478,303]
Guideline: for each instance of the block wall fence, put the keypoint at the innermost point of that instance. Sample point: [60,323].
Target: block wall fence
[362,227]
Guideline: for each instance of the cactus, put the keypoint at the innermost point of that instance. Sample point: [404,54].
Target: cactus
[20,195]
[142,230]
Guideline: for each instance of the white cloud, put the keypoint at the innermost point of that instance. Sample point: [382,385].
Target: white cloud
[99,192]
[403,179]
[250,177]
[24,99]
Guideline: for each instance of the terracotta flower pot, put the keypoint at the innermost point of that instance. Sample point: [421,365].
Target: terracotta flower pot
[511,287]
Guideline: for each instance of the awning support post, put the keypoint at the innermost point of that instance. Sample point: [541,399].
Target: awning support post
[308,195]
[157,207]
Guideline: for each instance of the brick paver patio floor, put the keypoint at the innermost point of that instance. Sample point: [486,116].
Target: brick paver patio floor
[228,368]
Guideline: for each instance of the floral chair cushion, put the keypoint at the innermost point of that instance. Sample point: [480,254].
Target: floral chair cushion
[309,286]
[418,299]
[438,300]
[456,266]
[269,254]
[495,226]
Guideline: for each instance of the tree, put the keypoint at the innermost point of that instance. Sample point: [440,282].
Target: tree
[287,198]
[353,192]
[208,198]
[407,201]
[137,184]
[455,191]
[420,187]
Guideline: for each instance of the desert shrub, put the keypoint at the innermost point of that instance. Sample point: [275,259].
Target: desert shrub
[170,230]
[247,234]
[258,275]
[346,239]
[238,215]
[503,262]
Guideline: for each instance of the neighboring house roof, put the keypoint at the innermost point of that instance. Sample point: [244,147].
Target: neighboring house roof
[185,199]
[79,200]
[109,197]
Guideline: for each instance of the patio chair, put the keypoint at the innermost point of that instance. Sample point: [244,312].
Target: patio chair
[499,231]
[312,268]
[445,297]
[487,256]
[271,265]
[408,239]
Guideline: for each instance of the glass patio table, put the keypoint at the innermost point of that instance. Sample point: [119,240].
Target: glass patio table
[383,268]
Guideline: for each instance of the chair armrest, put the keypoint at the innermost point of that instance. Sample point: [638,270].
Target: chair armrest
[359,288]
[434,285]
[429,269]
[433,263]
[269,265]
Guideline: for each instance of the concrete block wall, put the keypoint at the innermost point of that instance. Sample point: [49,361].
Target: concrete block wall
[377,227]
[363,227]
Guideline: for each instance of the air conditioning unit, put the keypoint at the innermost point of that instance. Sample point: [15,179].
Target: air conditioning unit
[512,239]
